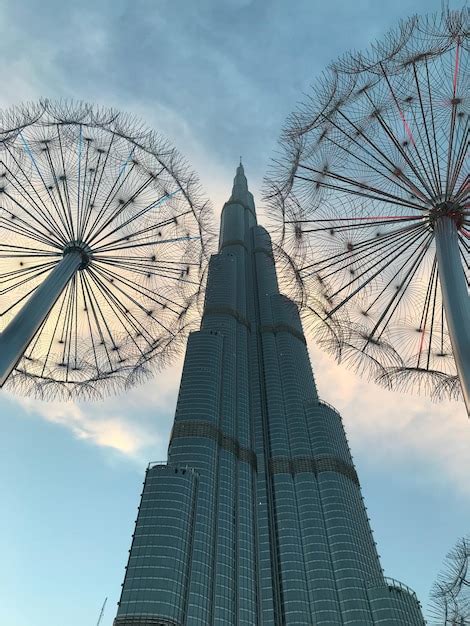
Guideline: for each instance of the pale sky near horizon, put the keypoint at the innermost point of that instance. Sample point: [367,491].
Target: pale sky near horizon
[217,78]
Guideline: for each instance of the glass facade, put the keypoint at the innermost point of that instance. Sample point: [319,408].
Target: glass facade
[257,519]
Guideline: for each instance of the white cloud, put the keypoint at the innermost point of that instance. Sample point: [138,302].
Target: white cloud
[110,431]
[392,429]
[136,424]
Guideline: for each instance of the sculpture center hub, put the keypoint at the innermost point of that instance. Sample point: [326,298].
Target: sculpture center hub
[450,209]
[83,248]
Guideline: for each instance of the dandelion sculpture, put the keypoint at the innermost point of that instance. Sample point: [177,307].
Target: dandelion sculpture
[372,191]
[450,594]
[101,249]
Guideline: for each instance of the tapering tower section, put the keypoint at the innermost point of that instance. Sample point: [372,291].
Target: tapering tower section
[257,519]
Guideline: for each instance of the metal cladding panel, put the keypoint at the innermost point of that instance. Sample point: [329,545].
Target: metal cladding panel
[394,604]
[352,548]
[320,574]
[286,315]
[195,442]
[326,431]
[221,283]
[199,393]
[144,620]
[232,225]
[265,269]
[159,562]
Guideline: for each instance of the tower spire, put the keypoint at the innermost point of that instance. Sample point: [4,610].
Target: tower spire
[240,193]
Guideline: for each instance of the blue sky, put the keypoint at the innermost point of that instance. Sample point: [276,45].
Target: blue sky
[217,78]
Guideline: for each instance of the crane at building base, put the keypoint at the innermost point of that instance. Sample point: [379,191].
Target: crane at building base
[102,612]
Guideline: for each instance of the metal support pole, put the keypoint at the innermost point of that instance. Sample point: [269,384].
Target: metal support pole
[20,331]
[455,298]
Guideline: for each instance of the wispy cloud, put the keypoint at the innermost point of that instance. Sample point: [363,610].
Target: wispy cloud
[396,430]
[135,424]
[113,431]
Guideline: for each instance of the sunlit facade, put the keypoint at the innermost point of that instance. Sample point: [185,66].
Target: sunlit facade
[257,519]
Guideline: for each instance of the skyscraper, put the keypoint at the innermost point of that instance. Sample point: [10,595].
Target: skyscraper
[257,519]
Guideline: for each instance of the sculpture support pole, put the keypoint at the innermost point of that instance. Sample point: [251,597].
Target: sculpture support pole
[455,298]
[20,331]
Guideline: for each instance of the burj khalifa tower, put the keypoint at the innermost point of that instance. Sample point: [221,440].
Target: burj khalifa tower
[257,518]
